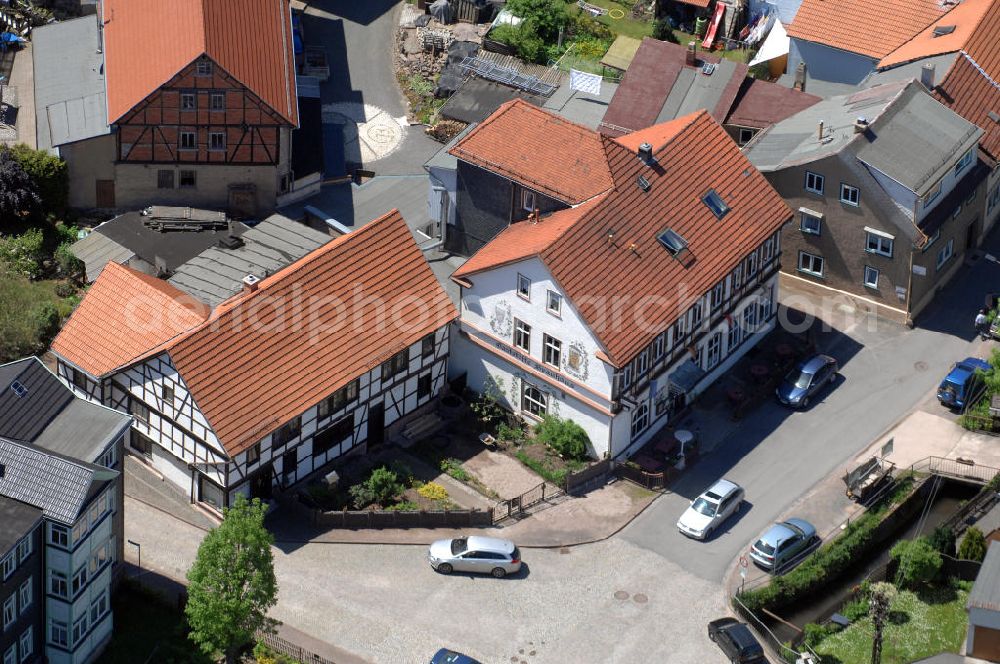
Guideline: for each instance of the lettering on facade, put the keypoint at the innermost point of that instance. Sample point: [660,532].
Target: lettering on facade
[540,368]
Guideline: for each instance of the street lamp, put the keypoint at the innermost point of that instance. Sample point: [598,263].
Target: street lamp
[139,550]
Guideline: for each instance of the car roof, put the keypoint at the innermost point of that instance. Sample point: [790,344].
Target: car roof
[741,635]
[802,525]
[976,363]
[722,488]
[814,363]
[477,543]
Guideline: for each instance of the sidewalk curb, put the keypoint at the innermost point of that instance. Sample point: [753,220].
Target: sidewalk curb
[729,579]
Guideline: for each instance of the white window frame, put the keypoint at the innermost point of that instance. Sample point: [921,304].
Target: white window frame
[932,195]
[626,380]
[718,294]
[58,535]
[9,611]
[9,564]
[203,68]
[523,287]
[528,200]
[658,345]
[23,549]
[812,258]
[56,629]
[818,183]
[194,140]
[99,608]
[24,594]
[217,136]
[879,243]
[850,195]
[808,228]
[80,627]
[735,336]
[871,277]
[642,363]
[55,580]
[640,420]
[945,253]
[216,97]
[746,135]
[541,402]
[10,657]
[193,97]
[551,346]
[522,329]
[752,265]
[697,315]
[553,302]
[79,580]
[965,161]
[713,354]
[26,643]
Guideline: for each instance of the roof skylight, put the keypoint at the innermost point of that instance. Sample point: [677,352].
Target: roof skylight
[19,389]
[672,241]
[714,202]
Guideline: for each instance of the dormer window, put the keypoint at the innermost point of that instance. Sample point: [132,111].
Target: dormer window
[203,68]
[528,200]
[715,203]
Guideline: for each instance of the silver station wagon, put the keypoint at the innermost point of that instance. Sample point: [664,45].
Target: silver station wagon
[481,555]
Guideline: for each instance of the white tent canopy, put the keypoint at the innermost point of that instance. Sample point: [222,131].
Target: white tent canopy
[775,46]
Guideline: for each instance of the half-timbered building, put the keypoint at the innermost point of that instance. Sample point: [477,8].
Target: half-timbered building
[322,359]
[617,311]
[187,103]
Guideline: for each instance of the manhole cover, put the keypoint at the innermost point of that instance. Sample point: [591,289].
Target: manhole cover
[564,550]
[920,366]
[621,594]
[640,598]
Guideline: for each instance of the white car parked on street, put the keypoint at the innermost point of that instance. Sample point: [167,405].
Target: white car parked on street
[710,509]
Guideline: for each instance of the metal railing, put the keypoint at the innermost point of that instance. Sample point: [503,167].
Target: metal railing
[959,469]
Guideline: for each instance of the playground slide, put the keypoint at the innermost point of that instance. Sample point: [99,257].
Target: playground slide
[720,9]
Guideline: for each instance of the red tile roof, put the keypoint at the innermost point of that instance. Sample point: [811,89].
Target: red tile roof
[971,87]
[965,20]
[869,27]
[125,316]
[649,80]
[761,104]
[523,143]
[148,42]
[524,239]
[347,306]
[694,154]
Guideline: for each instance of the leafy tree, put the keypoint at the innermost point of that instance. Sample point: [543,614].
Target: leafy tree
[919,562]
[18,192]
[232,583]
[882,594]
[487,405]
[382,487]
[973,546]
[564,436]
[544,16]
[943,539]
[49,173]
[524,39]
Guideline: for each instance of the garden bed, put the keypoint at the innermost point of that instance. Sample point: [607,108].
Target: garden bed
[545,462]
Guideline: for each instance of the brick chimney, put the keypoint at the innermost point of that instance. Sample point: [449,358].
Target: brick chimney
[691,56]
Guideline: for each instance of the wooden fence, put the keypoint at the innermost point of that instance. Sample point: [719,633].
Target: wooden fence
[651,481]
[588,478]
[403,519]
[289,649]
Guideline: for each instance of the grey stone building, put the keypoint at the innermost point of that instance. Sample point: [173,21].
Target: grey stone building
[888,193]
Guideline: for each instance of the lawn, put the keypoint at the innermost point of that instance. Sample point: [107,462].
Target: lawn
[623,26]
[24,330]
[148,629]
[921,625]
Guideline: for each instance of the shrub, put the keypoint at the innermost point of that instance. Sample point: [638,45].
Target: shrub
[361,495]
[524,40]
[382,487]
[514,434]
[48,172]
[433,491]
[46,319]
[544,16]
[18,192]
[663,31]
[813,633]
[69,265]
[973,546]
[264,655]
[404,506]
[591,48]
[564,436]
[919,562]
[21,255]
[453,467]
[487,406]
[856,609]
[943,540]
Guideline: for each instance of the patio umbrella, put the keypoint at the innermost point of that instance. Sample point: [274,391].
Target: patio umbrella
[11,38]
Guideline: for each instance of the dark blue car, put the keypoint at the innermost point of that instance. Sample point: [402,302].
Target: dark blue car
[445,656]
[961,383]
[806,380]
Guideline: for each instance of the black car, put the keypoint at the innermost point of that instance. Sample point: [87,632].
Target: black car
[736,641]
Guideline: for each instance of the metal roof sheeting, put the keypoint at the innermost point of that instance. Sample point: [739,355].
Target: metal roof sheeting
[986,590]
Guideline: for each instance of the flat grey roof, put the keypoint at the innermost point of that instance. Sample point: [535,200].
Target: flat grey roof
[216,274]
[18,519]
[693,90]
[69,82]
[50,416]
[581,107]
[986,590]
[442,159]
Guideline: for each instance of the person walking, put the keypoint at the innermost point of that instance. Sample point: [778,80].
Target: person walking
[982,324]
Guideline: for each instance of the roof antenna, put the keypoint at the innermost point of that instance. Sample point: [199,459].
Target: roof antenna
[611,237]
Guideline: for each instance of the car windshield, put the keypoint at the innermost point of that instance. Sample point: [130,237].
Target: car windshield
[799,378]
[702,506]
[459,546]
[761,545]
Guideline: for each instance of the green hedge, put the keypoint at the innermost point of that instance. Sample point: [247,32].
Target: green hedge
[830,561]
